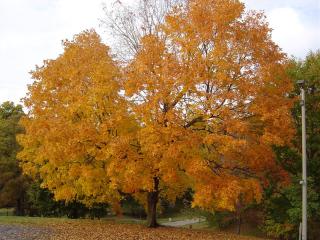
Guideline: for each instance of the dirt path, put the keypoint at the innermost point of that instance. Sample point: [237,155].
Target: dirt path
[23,232]
[183,222]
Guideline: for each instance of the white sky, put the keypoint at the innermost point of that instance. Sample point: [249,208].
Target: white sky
[32,30]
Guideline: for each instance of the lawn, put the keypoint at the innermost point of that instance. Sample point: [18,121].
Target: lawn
[111,229]
[6,211]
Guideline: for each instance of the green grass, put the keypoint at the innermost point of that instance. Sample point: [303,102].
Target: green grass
[123,219]
[46,220]
[31,220]
[115,219]
[6,211]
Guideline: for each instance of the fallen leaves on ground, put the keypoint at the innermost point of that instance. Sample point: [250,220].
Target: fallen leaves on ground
[112,231]
[101,230]
[24,232]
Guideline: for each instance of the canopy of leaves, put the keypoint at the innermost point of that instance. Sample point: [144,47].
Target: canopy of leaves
[199,106]
[74,107]
[210,92]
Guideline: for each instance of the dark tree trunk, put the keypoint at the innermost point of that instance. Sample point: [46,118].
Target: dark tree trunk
[152,200]
[239,210]
[19,207]
[239,223]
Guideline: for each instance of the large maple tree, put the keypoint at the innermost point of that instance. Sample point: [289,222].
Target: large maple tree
[204,101]
[210,92]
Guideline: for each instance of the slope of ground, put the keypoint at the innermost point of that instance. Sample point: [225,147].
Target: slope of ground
[62,229]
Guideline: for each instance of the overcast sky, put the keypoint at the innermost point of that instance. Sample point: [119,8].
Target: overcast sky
[32,30]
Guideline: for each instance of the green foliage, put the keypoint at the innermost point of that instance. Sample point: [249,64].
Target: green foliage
[132,207]
[41,203]
[12,183]
[283,206]
[283,209]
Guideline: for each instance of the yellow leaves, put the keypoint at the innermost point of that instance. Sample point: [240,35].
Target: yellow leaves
[224,143]
[252,191]
[202,104]
[75,110]
[209,14]
[64,192]
[61,229]
[225,198]
[224,194]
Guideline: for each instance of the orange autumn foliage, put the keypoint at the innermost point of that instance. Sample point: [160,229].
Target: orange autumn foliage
[203,102]
[74,116]
[211,94]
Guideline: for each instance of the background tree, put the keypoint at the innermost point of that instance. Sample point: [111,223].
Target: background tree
[283,206]
[12,183]
[128,23]
[41,202]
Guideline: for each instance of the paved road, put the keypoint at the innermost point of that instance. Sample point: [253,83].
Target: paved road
[183,222]
[23,232]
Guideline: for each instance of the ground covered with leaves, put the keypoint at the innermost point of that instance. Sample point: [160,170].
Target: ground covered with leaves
[24,232]
[86,230]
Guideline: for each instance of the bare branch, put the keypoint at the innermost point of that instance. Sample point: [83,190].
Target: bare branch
[129,23]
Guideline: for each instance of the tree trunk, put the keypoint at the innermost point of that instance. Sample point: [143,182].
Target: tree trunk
[19,207]
[239,208]
[239,223]
[152,199]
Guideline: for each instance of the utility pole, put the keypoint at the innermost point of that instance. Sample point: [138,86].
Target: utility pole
[304,161]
